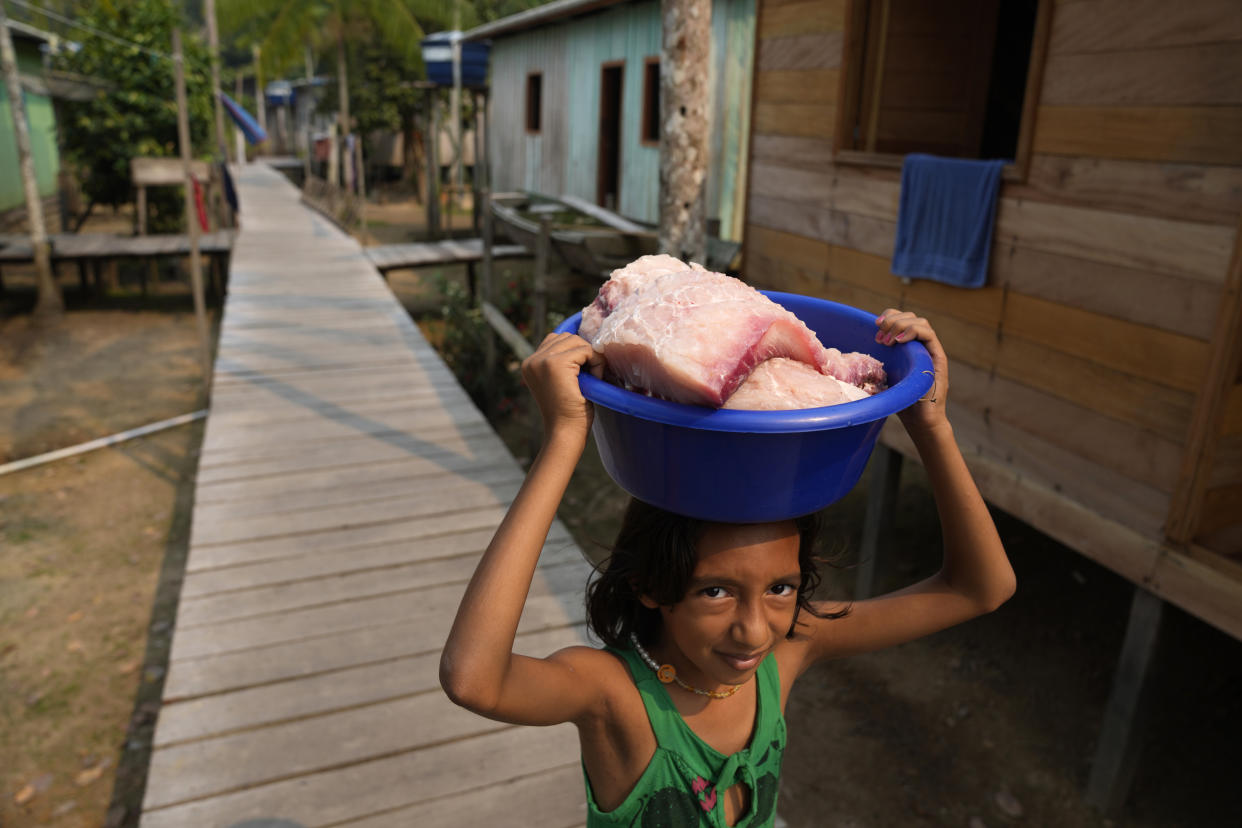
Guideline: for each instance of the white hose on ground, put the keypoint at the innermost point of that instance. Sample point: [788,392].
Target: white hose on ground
[102,442]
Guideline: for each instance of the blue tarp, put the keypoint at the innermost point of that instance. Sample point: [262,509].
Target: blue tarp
[244,120]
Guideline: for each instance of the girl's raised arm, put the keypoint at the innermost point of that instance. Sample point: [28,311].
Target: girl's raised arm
[478,668]
[975,576]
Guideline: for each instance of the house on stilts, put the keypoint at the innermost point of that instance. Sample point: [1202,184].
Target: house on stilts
[574,105]
[1096,385]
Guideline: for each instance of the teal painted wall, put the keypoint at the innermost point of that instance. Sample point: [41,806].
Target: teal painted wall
[570,56]
[42,121]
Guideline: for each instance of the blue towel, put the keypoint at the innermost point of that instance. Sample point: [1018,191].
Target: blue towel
[945,220]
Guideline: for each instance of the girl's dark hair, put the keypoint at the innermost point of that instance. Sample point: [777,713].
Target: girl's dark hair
[654,555]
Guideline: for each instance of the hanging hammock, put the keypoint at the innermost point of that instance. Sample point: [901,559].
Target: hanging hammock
[254,133]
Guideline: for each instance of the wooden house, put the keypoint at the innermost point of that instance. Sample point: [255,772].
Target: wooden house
[41,118]
[574,90]
[1096,386]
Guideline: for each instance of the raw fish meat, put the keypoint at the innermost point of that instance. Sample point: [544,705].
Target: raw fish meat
[686,334]
[782,383]
[623,283]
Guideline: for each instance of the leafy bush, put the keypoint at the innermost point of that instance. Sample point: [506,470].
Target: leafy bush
[464,342]
[136,113]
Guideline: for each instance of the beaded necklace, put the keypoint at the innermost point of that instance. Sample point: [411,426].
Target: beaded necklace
[667,674]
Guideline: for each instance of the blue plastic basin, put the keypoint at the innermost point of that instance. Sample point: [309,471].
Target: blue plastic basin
[754,466]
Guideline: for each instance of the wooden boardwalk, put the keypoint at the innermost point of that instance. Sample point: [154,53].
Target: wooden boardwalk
[15,248]
[345,489]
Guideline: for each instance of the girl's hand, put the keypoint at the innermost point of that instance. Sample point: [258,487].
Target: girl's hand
[551,373]
[897,326]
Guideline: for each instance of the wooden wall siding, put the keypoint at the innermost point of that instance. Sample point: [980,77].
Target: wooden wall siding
[517,158]
[1188,192]
[801,51]
[1144,81]
[733,68]
[1202,75]
[628,32]
[1198,135]
[563,158]
[1080,26]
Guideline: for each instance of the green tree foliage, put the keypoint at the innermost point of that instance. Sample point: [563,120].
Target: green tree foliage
[380,38]
[136,115]
[382,97]
[283,29]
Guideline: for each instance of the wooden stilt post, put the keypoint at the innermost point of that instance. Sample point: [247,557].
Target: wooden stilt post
[476,173]
[878,523]
[485,291]
[213,43]
[191,218]
[239,140]
[539,306]
[1116,755]
[433,165]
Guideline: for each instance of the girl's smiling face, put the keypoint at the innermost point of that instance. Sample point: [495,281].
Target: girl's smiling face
[739,604]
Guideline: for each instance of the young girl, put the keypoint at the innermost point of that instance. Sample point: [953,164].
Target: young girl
[708,626]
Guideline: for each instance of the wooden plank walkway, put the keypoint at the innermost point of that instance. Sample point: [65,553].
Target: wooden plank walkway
[388,257]
[346,488]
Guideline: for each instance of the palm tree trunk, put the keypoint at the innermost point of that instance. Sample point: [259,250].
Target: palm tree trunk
[684,99]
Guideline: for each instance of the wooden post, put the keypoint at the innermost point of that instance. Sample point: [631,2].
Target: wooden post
[191,219]
[539,303]
[239,140]
[213,43]
[306,135]
[141,206]
[485,289]
[1211,405]
[260,104]
[342,92]
[1116,755]
[49,302]
[539,310]
[360,172]
[433,165]
[476,174]
[878,524]
[334,162]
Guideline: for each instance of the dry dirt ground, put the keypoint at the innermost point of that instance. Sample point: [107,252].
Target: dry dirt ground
[92,544]
[993,723]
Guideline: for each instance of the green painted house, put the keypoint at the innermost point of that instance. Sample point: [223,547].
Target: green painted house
[28,42]
[574,105]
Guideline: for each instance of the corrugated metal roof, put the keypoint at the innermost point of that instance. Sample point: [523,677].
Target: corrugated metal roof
[540,16]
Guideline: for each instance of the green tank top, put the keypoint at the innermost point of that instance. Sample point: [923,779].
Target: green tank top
[679,788]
